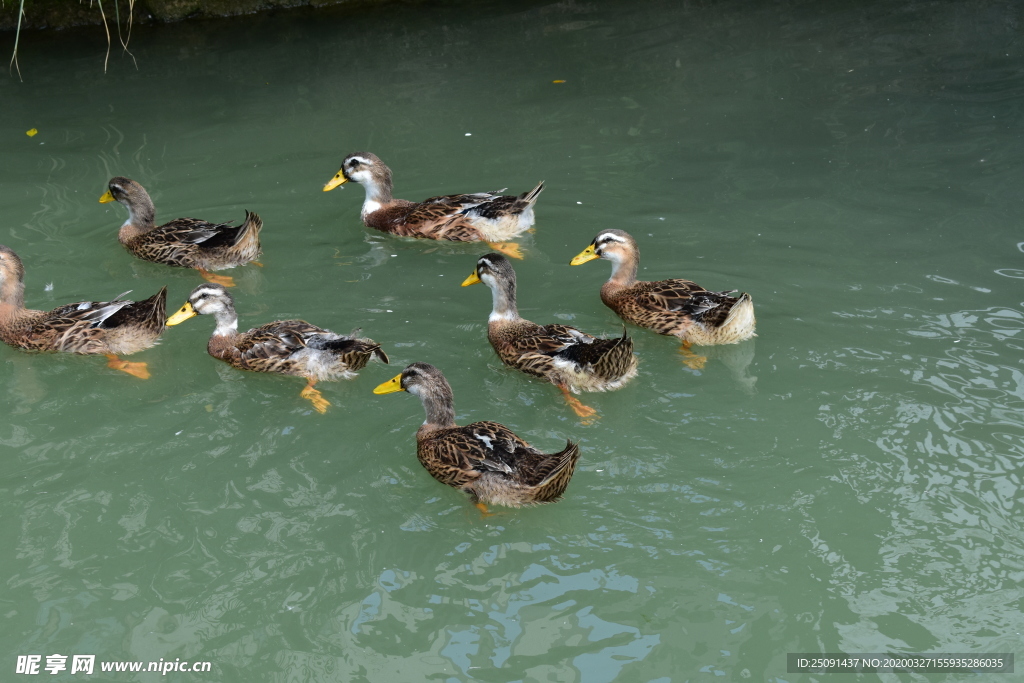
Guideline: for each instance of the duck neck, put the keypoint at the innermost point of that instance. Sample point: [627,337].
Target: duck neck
[378,194]
[503,298]
[624,267]
[439,404]
[141,217]
[12,291]
[227,322]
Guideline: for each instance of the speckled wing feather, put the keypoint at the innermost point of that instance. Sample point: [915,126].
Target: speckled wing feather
[64,329]
[566,342]
[85,327]
[195,243]
[523,336]
[679,296]
[269,348]
[495,206]
[149,314]
[448,217]
[610,358]
[534,349]
[177,243]
[661,305]
[198,231]
[436,218]
[459,455]
[280,337]
[273,348]
[555,473]
[531,348]
[353,350]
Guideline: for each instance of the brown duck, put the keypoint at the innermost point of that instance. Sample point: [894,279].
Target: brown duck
[284,347]
[184,242]
[679,308]
[482,217]
[568,358]
[111,327]
[484,459]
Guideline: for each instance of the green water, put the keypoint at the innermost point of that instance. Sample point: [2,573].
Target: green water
[848,481]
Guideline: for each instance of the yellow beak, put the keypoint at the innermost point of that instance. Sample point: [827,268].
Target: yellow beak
[183,314]
[587,254]
[471,280]
[107,197]
[338,179]
[391,386]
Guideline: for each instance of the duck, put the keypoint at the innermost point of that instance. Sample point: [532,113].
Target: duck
[283,347]
[484,459]
[184,242]
[111,328]
[678,308]
[481,217]
[572,360]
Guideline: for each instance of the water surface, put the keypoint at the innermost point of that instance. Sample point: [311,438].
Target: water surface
[848,481]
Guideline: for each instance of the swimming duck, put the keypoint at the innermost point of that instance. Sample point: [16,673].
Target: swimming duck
[285,347]
[482,217]
[679,308]
[111,327]
[484,459]
[569,359]
[184,242]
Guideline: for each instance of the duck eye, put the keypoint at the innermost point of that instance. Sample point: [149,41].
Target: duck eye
[353,163]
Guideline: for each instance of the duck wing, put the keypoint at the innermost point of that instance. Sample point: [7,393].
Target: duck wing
[82,327]
[194,231]
[681,296]
[277,340]
[584,350]
[460,454]
[438,218]
[92,313]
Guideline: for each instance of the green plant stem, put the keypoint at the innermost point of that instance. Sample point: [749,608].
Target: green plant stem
[17,34]
[105,28]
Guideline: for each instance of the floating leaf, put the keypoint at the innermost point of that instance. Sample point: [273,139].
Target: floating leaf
[31,132]
[558,81]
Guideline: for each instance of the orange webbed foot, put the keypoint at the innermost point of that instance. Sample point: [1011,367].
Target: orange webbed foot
[696,363]
[223,280]
[482,507]
[691,359]
[316,398]
[139,370]
[510,249]
[584,411]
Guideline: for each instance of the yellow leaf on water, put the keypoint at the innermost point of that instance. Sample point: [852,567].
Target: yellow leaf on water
[558,81]
[31,132]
